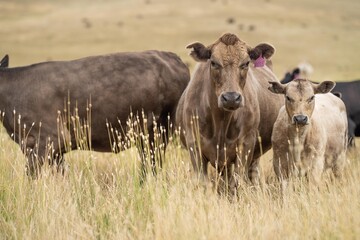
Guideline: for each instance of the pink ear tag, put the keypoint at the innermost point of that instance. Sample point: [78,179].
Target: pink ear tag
[296,76]
[259,62]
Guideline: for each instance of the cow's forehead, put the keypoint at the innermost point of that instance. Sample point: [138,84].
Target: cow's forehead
[300,88]
[229,54]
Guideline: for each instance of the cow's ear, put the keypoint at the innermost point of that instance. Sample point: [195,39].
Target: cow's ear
[4,63]
[324,87]
[199,52]
[263,49]
[277,87]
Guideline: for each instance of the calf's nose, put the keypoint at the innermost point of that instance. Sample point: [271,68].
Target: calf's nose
[300,119]
[231,100]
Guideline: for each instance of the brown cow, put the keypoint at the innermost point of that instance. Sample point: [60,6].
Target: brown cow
[232,106]
[310,133]
[150,81]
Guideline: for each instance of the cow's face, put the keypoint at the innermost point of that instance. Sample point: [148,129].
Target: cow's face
[300,98]
[229,60]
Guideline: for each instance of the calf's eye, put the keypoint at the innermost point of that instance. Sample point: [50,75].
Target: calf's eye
[311,99]
[245,65]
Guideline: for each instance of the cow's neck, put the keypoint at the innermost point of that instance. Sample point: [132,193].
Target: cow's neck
[297,136]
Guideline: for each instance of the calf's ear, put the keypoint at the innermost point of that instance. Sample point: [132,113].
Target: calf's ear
[324,87]
[277,87]
[199,52]
[263,49]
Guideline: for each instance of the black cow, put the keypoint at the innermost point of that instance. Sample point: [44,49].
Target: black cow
[350,93]
[107,87]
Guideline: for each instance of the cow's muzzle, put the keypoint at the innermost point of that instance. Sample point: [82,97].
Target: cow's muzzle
[230,100]
[300,119]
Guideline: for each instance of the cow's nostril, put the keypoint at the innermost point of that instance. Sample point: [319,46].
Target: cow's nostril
[300,119]
[230,97]
[224,98]
[230,100]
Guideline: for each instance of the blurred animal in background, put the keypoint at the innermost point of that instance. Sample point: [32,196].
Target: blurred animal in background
[348,91]
[303,70]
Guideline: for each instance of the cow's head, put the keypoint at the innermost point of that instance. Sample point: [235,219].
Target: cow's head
[300,98]
[229,60]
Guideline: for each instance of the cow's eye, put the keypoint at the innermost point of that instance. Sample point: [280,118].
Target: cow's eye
[288,98]
[311,98]
[244,65]
[215,65]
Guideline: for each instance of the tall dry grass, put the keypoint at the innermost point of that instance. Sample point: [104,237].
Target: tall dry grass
[101,197]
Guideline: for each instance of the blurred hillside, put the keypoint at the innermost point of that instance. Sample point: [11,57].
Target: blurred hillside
[325,33]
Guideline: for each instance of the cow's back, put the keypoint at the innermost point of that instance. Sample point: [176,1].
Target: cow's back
[330,114]
[350,95]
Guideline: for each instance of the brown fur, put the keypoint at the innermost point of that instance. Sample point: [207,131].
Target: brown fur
[227,136]
[229,39]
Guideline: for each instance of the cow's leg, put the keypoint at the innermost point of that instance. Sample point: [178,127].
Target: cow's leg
[351,133]
[282,165]
[229,181]
[198,162]
[34,156]
[247,157]
[254,171]
[204,166]
[282,168]
[59,162]
[166,123]
[339,165]
[34,163]
[153,150]
[143,152]
[316,170]
[43,151]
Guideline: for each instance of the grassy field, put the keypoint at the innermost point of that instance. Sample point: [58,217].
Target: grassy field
[101,197]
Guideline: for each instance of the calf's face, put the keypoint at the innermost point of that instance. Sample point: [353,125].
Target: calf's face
[229,60]
[300,98]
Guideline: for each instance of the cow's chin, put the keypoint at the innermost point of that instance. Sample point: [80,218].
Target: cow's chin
[229,108]
[299,124]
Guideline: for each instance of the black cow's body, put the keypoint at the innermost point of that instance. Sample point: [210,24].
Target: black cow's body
[350,94]
[150,81]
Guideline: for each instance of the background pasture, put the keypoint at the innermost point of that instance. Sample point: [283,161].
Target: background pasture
[100,197]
